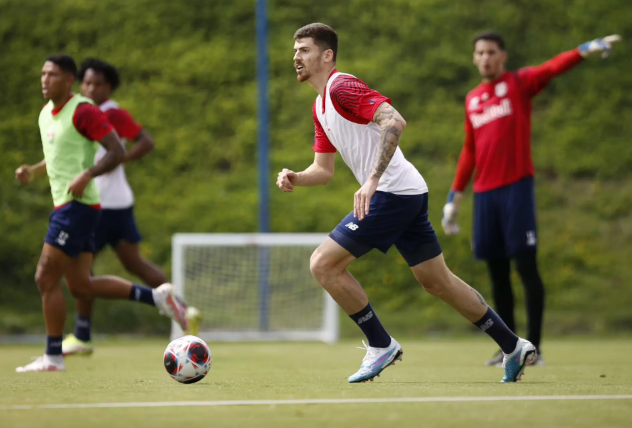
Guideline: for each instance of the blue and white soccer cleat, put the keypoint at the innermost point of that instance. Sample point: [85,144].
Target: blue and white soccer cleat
[515,362]
[376,360]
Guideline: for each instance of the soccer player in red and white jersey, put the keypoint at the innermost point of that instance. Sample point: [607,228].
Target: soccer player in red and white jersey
[498,147]
[117,225]
[390,208]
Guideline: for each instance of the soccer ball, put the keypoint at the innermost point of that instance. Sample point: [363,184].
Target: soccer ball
[188,359]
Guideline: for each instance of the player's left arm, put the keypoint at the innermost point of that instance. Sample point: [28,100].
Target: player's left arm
[127,127]
[393,125]
[143,144]
[534,79]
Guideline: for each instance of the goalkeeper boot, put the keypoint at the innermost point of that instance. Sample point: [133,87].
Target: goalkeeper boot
[515,362]
[73,346]
[46,363]
[194,319]
[376,360]
[167,302]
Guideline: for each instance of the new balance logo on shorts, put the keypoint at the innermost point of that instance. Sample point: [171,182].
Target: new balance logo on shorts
[61,239]
[352,226]
[367,316]
[488,324]
[531,239]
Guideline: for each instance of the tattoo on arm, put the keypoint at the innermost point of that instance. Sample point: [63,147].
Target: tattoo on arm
[112,158]
[480,297]
[392,127]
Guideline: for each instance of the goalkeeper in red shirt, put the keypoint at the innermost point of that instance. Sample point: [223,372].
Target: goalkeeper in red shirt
[497,146]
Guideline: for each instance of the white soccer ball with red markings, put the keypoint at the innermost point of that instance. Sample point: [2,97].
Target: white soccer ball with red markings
[188,359]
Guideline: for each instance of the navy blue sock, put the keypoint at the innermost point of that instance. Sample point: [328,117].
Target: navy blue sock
[53,345]
[83,326]
[494,326]
[372,328]
[143,294]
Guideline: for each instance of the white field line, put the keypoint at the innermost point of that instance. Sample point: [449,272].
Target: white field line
[316,401]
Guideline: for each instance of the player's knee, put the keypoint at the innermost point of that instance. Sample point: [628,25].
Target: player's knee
[81,292]
[44,277]
[320,266]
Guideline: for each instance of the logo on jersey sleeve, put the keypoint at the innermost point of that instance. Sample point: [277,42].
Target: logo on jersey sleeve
[50,135]
[474,102]
[501,89]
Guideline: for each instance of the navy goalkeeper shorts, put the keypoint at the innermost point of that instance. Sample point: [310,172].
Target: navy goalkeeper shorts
[504,221]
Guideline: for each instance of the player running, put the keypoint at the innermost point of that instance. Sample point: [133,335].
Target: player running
[117,226]
[391,207]
[69,126]
[497,145]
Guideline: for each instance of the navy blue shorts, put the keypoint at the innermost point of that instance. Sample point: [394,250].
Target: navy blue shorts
[116,226]
[504,221]
[400,220]
[71,228]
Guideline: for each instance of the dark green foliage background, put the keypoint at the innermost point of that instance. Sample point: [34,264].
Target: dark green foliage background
[189,67]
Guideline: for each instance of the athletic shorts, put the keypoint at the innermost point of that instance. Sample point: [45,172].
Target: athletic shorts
[504,221]
[116,226]
[400,220]
[71,228]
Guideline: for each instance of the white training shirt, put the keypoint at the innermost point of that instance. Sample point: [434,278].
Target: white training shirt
[114,190]
[357,139]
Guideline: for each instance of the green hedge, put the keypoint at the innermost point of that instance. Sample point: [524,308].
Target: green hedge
[188,71]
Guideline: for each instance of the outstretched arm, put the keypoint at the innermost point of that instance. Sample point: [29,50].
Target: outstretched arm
[533,79]
[392,124]
[318,173]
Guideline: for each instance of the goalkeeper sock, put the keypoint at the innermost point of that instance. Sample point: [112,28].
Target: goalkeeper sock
[82,328]
[143,294]
[494,326]
[372,328]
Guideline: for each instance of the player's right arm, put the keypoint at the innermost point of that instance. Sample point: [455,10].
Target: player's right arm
[26,173]
[464,170]
[317,174]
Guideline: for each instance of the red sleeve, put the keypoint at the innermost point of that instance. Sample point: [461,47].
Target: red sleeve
[354,97]
[467,160]
[123,123]
[91,122]
[532,80]
[321,141]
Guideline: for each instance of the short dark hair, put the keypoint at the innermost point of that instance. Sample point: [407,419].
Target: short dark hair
[64,62]
[110,72]
[492,37]
[324,36]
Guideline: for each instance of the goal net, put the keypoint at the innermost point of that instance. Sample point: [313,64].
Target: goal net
[253,287]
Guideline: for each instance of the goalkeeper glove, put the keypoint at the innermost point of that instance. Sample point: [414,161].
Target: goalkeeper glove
[450,211]
[601,46]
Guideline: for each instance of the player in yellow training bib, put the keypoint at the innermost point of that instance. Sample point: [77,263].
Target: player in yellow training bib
[69,126]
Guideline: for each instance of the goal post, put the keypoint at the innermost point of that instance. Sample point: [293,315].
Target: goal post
[253,286]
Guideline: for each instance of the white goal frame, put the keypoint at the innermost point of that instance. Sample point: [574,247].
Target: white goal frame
[329,331]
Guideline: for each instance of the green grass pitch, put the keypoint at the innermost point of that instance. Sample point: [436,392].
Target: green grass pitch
[132,372]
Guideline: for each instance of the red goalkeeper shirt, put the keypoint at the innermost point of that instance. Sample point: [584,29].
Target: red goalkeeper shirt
[498,125]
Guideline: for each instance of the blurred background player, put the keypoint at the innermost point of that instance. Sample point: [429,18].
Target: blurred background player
[69,126]
[497,145]
[117,225]
[391,207]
